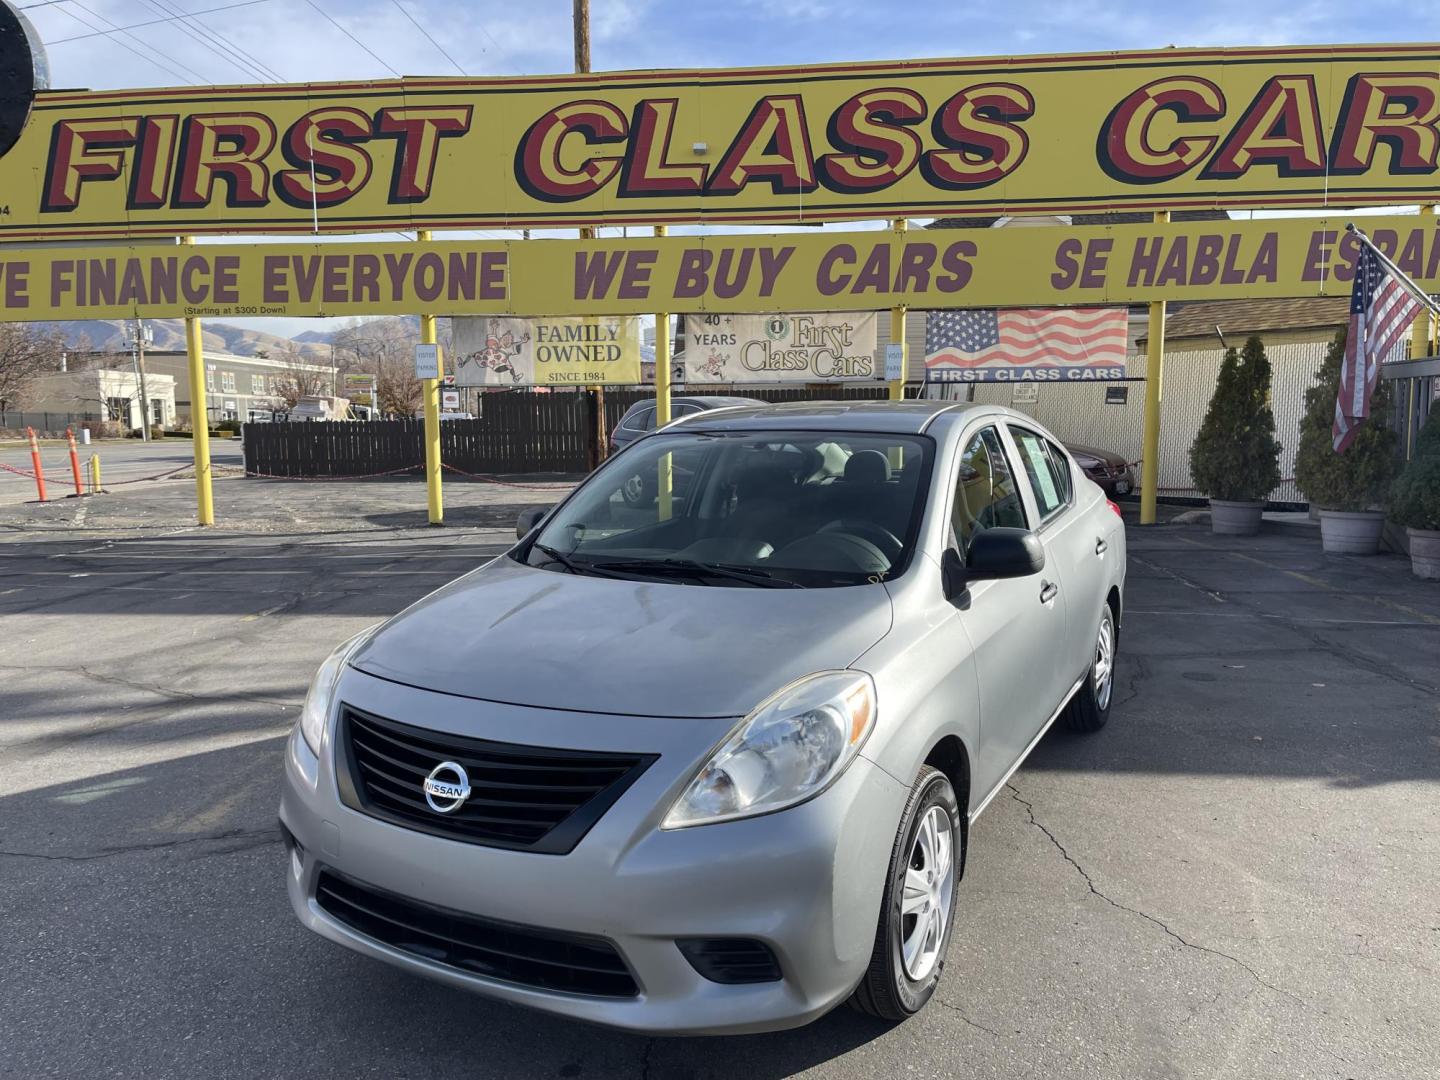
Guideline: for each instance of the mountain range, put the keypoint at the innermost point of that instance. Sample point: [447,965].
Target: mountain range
[108,335]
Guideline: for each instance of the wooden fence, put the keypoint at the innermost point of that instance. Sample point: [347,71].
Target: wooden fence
[516,432]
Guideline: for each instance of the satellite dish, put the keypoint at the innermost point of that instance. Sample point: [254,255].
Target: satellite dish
[24,69]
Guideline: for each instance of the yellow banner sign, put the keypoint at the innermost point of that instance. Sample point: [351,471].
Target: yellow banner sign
[941,268]
[1303,126]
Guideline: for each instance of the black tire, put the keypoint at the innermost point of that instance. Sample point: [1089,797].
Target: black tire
[1089,709]
[887,991]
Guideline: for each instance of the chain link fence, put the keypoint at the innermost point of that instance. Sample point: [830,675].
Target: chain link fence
[1094,414]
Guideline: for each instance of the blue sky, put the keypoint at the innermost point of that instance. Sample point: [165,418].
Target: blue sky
[304,40]
[297,43]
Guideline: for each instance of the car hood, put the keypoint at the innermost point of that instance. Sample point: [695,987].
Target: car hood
[524,636]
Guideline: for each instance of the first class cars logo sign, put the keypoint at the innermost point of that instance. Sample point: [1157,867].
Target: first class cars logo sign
[816,347]
[1302,126]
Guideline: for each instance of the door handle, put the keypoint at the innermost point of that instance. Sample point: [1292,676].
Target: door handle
[1101,546]
[1048,589]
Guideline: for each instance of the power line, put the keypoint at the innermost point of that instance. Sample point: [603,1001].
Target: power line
[138,40]
[403,11]
[353,38]
[127,46]
[148,22]
[264,67]
[192,29]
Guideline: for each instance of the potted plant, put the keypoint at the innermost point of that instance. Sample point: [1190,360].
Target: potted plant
[1347,487]
[1415,501]
[1235,459]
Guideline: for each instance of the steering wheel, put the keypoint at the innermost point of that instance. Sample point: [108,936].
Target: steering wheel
[878,535]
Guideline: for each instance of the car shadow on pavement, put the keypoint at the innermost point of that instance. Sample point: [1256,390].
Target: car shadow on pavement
[148,927]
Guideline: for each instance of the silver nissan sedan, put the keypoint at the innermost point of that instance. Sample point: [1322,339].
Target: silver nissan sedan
[626,773]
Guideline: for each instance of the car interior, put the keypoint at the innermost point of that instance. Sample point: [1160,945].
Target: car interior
[809,504]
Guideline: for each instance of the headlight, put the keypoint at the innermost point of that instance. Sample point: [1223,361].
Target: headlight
[316,710]
[789,749]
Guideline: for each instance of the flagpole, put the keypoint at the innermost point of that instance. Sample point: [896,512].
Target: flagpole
[1403,278]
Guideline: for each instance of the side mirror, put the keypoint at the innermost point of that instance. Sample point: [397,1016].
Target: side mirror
[1003,553]
[952,573]
[528,520]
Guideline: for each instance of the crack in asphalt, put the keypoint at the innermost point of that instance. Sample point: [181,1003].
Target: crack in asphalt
[1141,670]
[960,1013]
[1030,812]
[645,1059]
[249,839]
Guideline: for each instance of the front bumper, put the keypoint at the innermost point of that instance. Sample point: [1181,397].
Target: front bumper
[806,881]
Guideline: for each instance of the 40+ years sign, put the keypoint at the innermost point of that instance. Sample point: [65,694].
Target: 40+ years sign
[1311,126]
[812,272]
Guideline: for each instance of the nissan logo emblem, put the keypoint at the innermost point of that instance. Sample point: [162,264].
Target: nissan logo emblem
[447,787]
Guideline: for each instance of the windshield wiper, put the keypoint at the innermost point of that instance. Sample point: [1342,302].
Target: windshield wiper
[555,555]
[695,568]
[576,566]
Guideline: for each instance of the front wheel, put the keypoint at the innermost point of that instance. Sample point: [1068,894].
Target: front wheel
[1089,709]
[919,906]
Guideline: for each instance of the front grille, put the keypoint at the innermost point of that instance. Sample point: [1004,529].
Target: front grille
[530,798]
[547,959]
[731,960]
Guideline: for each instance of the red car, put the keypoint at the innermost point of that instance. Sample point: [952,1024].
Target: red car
[1111,471]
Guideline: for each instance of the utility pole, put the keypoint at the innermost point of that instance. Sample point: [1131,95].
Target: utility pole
[595,395]
[138,329]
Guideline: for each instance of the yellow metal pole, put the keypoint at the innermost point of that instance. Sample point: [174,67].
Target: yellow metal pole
[94,474]
[897,328]
[430,389]
[199,417]
[665,485]
[1154,375]
[1420,331]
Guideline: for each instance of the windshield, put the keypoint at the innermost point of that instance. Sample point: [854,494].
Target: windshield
[760,509]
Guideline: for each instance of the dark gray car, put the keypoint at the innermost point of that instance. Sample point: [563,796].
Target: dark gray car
[639,420]
[640,417]
[709,764]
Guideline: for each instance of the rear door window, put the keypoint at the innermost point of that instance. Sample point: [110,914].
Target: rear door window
[643,420]
[1049,481]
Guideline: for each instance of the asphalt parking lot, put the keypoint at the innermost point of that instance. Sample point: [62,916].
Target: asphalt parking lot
[1238,877]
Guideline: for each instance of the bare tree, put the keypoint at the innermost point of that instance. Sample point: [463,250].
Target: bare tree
[399,391]
[26,352]
[296,381]
[386,349]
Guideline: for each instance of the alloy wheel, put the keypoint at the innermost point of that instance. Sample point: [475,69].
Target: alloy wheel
[926,893]
[1104,660]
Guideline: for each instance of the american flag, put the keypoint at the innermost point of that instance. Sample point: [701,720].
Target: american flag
[1381,309]
[988,340]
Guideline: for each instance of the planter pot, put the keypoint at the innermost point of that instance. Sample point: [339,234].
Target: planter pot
[1343,533]
[1425,553]
[1235,518]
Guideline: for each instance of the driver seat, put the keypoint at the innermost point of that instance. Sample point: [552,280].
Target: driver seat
[864,494]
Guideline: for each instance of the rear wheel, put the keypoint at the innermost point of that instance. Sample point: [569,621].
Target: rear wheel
[1089,709]
[919,907]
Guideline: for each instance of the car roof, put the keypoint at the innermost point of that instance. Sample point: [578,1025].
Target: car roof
[894,417]
[713,400]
